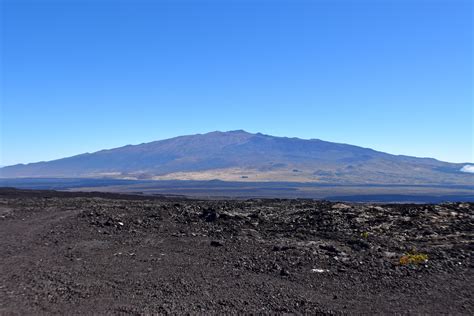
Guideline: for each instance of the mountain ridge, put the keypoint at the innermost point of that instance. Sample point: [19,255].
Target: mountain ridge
[241,156]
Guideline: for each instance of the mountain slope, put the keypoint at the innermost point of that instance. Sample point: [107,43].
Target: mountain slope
[238,155]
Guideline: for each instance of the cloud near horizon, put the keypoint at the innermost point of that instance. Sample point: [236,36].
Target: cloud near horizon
[468,168]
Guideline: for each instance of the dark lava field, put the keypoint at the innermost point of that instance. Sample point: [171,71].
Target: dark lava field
[84,253]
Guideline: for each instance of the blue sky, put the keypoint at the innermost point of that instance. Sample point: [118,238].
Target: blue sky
[80,76]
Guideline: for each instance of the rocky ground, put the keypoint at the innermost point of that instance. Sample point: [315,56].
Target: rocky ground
[111,254]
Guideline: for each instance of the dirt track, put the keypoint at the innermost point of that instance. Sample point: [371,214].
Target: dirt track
[85,253]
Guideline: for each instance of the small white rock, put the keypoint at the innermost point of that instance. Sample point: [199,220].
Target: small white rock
[319,270]
[340,206]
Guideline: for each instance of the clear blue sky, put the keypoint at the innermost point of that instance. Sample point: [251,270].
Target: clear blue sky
[80,76]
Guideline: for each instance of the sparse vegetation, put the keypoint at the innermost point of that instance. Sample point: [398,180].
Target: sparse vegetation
[413,257]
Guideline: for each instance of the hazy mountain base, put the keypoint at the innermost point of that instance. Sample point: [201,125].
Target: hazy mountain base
[301,174]
[83,253]
[242,190]
[223,190]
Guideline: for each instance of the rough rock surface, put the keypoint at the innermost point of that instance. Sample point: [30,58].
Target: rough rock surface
[85,253]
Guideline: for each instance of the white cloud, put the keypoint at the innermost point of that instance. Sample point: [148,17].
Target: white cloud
[468,168]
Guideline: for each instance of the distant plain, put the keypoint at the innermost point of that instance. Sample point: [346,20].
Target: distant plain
[216,189]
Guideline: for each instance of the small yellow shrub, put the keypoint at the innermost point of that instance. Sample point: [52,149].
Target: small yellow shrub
[413,257]
[365,235]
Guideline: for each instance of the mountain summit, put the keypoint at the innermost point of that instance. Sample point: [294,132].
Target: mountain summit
[242,156]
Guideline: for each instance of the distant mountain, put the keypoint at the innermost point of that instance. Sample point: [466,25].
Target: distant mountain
[242,156]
